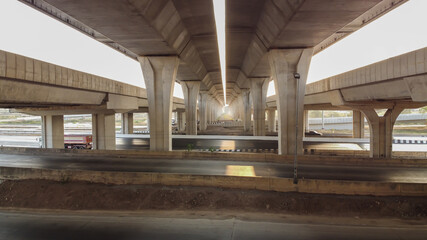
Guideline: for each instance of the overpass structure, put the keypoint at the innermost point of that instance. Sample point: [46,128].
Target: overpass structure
[175,40]
[51,91]
[393,84]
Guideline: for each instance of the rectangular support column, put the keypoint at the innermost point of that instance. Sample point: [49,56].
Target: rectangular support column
[271,118]
[181,121]
[53,131]
[127,123]
[104,131]
[246,110]
[259,87]
[203,110]
[190,90]
[358,124]
[306,122]
[289,69]
[159,76]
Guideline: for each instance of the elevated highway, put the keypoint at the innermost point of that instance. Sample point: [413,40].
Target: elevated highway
[176,40]
[393,84]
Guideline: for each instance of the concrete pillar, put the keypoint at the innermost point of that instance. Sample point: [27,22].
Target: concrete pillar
[271,119]
[191,94]
[284,63]
[181,121]
[246,110]
[104,131]
[306,122]
[259,88]
[204,98]
[159,76]
[148,121]
[381,131]
[358,124]
[53,131]
[209,111]
[127,123]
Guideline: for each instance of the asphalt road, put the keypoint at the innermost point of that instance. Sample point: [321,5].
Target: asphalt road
[20,226]
[213,167]
[180,142]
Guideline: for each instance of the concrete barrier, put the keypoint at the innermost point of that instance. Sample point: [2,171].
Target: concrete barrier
[254,183]
[349,160]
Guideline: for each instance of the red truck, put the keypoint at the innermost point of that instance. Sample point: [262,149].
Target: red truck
[80,141]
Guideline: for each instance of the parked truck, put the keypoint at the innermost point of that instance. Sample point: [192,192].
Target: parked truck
[81,141]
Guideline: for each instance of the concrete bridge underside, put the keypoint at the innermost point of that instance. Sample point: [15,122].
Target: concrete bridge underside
[175,40]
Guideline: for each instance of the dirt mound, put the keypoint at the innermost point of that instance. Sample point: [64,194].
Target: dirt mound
[89,196]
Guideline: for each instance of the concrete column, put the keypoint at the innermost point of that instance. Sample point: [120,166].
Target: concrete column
[53,131]
[284,63]
[306,122]
[271,119]
[209,110]
[246,110]
[148,121]
[259,88]
[181,121]
[381,131]
[127,123]
[191,94]
[159,76]
[104,131]
[358,124]
[204,98]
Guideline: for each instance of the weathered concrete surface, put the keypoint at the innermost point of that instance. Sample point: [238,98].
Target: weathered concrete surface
[29,83]
[127,123]
[381,131]
[285,64]
[247,122]
[358,124]
[159,76]
[395,79]
[53,131]
[259,87]
[203,105]
[186,28]
[103,131]
[271,119]
[190,89]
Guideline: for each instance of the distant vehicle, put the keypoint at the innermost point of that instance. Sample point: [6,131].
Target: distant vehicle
[313,133]
[78,141]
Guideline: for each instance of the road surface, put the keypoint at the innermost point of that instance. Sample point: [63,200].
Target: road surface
[214,167]
[45,226]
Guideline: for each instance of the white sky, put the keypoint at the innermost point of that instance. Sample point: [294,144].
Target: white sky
[30,33]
